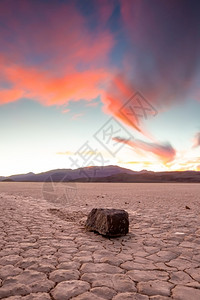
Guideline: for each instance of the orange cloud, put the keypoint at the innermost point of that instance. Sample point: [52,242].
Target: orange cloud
[187,162]
[115,97]
[123,101]
[12,95]
[165,152]
[131,108]
[65,153]
[49,89]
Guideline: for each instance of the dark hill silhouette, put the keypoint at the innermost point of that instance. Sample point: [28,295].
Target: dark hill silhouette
[70,175]
[105,174]
[186,176]
[7,180]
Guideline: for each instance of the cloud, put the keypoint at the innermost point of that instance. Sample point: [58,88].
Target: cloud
[196,140]
[50,89]
[161,59]
[114,98]
[65,153]
[188,162]
[105,9]
[10,95]
[126,104]
[162,56]
[165,152]
[54,52]
[59,35]
[143,163]
[77,116]
[53,57]
[64,111]
[92,104]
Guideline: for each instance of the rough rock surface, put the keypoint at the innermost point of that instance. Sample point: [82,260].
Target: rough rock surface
[108,222]
[46,253]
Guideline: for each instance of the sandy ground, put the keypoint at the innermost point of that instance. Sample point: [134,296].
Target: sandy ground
[45,252]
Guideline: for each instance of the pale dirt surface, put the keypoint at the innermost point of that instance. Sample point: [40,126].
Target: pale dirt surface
[45,252]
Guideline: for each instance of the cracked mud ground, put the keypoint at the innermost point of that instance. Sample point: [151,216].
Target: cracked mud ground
[45,253]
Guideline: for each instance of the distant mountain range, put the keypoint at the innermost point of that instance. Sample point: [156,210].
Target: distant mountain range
[105,174]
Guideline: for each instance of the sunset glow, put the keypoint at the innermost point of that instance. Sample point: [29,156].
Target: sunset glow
[68,67]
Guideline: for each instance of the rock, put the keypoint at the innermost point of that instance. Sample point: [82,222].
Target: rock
[108,222]
[187,207]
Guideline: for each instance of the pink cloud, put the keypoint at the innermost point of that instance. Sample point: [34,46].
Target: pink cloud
[49,89]
[165,152]
[10,95]
[77,116]
[115,97]
[196,140]
[64,111]
[92,104]
[67,30]
[123,101]
[105,9]
[51,58]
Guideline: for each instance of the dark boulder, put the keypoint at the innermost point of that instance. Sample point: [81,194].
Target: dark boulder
[108,222]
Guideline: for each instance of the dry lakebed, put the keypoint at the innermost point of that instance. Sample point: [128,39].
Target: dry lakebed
[46,253]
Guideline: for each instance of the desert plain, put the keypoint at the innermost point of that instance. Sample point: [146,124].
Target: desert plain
[46,253]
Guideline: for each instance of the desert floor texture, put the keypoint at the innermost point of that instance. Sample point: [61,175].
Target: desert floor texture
[45,252]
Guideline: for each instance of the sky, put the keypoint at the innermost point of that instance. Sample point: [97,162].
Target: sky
[99,82]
